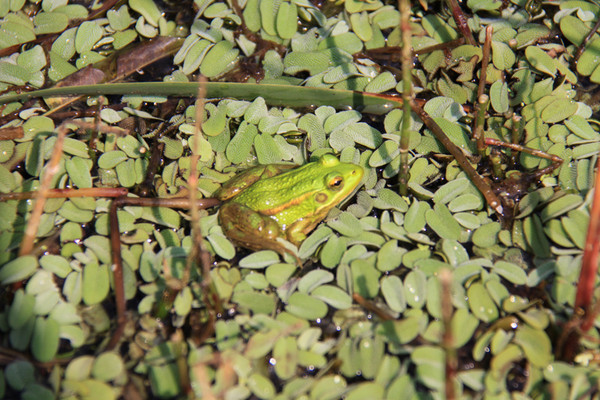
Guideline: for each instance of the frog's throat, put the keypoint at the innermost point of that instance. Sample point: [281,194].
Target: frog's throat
[293,202]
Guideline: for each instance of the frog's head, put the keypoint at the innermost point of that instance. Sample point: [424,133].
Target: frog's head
[339,180]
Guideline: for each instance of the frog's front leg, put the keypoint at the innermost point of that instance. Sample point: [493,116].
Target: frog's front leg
[251,229]
[297,232]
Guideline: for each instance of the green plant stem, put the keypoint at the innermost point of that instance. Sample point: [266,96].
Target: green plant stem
[403,174]
[276,95]
[480,109]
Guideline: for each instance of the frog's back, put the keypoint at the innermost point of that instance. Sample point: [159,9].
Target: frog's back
[283,190]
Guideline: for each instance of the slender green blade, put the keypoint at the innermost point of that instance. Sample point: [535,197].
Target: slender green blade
[277,95]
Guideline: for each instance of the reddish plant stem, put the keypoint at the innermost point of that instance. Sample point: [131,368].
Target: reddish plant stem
[461,22]
[589,262]
[67,193]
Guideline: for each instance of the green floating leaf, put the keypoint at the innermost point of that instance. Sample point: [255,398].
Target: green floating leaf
[164,381]
[382,83]
[415,288]
[561,206]
[499,96]
[346,224]
[575,224]
[50,22]
[332,251]
[502,56]
[365,278]
[88,34]
[574,29]
[33,59]
[261,386]
[334,296]
[19,374]
[18,269]
[95,283]
[442,222]
[79,172]
[535,344]
[45,339]
[221,245]
[21,309]
[481,304]
[463,325]
[366,390]
[107,367]
[430,366]
[148,9]
[259,259]
[287,20]
[393,293]
[37,392]
[218,59]
[511,272]
[389,256]
[388,199]
[559,110]
[450,190]
[579,126]
[285,353]
[313,280]
[258,303]
[314,62]
[486,235]
[535,237]
[306,306]
[540,60]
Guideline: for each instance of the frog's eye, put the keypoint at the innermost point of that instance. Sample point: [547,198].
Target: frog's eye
[336,183]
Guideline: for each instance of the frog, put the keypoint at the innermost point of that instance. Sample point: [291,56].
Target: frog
[279,201]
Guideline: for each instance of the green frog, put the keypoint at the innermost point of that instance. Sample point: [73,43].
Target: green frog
[275,201]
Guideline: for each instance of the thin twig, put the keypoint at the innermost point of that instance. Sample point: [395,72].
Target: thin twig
[42,194]
[478,181]
[584,43]
[517,147]
[372,307]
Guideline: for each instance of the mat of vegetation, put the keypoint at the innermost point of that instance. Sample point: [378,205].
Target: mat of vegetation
[368,314]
